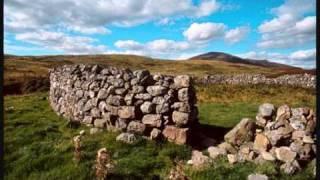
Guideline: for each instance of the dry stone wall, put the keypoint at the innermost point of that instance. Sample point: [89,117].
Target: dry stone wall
[157,106]
[300,80]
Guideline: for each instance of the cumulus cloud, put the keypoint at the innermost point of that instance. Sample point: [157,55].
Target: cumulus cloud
[61,42]
[289,28]
[93,16]
[300,58]
[163,48]
[304,55]
[204,32]
[235,35]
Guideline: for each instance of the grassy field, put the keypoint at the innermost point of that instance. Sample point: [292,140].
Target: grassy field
[38,142]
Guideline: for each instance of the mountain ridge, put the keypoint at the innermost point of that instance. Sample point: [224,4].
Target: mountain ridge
[221,56]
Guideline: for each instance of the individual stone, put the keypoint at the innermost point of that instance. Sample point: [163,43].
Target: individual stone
[266,110]
[182,81]
[127,138]
[162,108]
[214,152]
[155,133]
[112,109]
[88,120]
[181,106]
[126,112]
[267,156]
[242,132]
[153,120]
[261,121]
[120,91]
[283,112]
[261,142]
[136,127]
[199,160]
[175,134]
[305,152]
[307,139]
[290,167]
[232,158]
[158,100]
[228,147]
[95,130]
[147,107]
[102,94]
[258,177]
[180,118]
[144,96]
[184,94]
[99,123]
[115,100]
[285,154]
[129,99]
[102,105]
[156,90]
[298,135]
[137,89]
[298,122]
[95,112]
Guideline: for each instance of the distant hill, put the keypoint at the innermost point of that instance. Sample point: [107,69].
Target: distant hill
[220,56]
[21,72]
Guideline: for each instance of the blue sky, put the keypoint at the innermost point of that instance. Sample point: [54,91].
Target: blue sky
[280,31]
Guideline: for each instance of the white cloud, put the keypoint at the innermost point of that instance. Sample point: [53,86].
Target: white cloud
[129,44]
[93,16]
[204,32]
[235,35]
[162,48]
[301,58]
[305,55]
[289,28]
[61,42]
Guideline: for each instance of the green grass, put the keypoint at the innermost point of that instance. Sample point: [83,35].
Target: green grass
[38,143]
[225,105]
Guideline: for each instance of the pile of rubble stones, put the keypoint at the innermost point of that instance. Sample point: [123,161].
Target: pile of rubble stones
[300,80]
[285,136]
[156,106]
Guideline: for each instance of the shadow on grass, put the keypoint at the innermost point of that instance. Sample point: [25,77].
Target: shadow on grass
[205,135]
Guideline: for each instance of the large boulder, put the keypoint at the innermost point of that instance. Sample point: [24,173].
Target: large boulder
[175,134]
[242,132]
